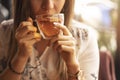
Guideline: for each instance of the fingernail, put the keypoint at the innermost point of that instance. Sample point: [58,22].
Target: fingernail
[55,23]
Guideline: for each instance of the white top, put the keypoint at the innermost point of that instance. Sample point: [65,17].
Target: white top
[50,65]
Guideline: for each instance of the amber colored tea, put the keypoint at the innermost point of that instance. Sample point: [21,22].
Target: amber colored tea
[46,24]
[48,28]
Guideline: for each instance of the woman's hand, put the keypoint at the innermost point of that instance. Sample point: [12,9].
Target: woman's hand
[65,44]
[26,35]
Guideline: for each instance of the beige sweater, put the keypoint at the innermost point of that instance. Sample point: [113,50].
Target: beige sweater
[50,65]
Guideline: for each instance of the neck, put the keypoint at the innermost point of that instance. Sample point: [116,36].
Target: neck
[41,46]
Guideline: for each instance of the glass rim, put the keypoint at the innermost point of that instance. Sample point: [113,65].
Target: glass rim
[49,15]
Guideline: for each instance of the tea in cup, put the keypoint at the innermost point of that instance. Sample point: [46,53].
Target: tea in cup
[46,25]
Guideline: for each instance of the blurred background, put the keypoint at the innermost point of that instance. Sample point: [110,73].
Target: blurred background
[5,9]
[103,16]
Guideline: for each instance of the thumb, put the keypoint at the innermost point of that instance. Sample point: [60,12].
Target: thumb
[30,19]
[61,32]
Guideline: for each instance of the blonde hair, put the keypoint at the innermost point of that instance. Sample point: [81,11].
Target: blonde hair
[22,10]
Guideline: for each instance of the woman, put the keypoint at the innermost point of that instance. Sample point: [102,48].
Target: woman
[25,55]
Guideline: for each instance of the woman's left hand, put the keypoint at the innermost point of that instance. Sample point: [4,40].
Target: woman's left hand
[65,45]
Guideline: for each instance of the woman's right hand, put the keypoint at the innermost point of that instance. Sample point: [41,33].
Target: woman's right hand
[26,36]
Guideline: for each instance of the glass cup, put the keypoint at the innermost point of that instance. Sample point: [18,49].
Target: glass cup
[46,25]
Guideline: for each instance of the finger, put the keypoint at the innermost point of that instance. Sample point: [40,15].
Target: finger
[30,36]
[29,22]
[64,48]
[24,31]
[30,19]
[63,28]
[28,28]
[60,33]
[29,42]
[65,43]
[24,24]
[62,38]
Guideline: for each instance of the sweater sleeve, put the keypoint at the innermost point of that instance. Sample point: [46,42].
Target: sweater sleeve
[88,52]
[89,58]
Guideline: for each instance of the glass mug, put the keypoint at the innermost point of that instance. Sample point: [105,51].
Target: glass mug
[45,24]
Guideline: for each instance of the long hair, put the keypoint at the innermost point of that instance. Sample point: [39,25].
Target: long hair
[22,10]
